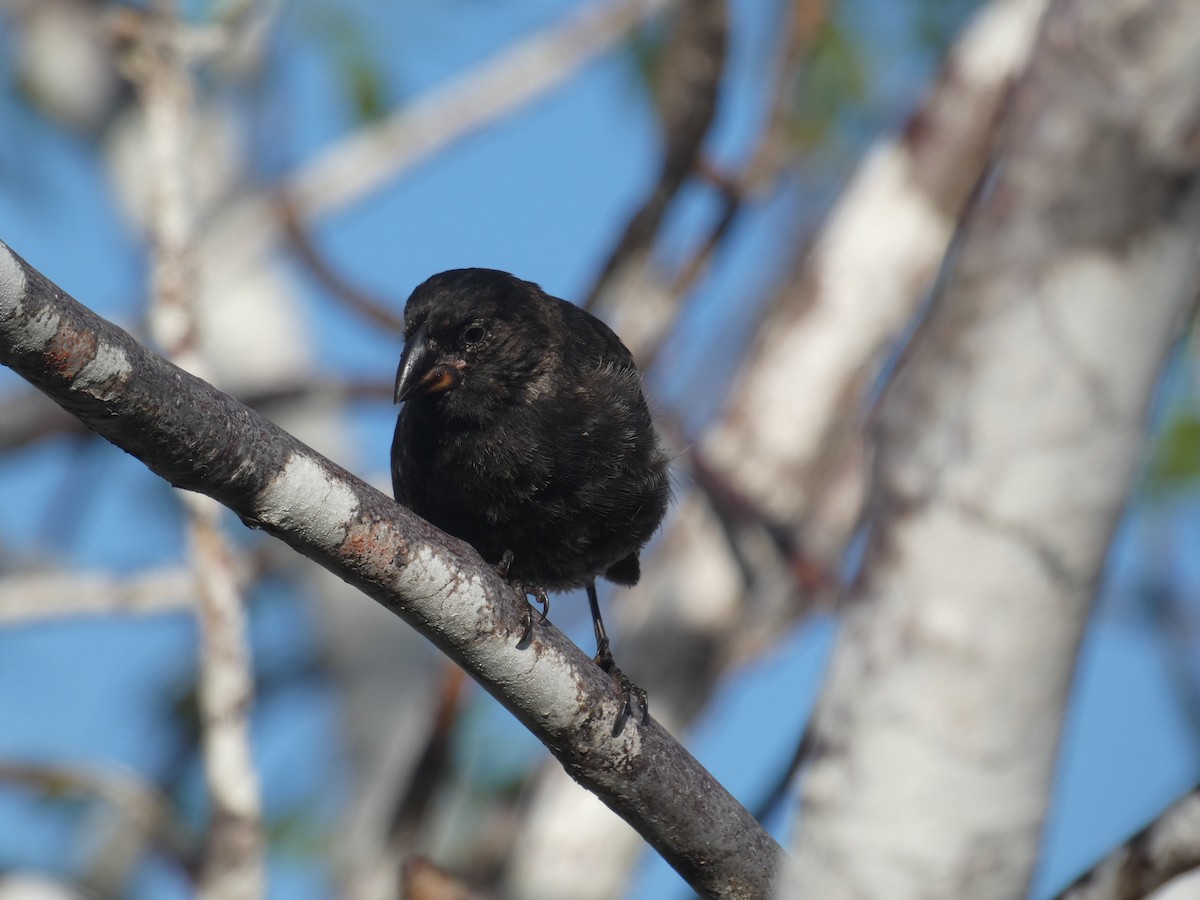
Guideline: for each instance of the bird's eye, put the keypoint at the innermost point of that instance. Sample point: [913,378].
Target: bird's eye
[473,334]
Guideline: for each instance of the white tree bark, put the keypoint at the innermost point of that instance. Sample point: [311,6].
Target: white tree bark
[1006,450]
[872,262]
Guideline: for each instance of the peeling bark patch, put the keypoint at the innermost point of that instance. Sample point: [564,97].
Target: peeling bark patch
[34,335]
[106,373]
[303,498]
[12,283]
[372,547]
[430,578]
[40,333]
[462,612]
[68,350]
[458,608]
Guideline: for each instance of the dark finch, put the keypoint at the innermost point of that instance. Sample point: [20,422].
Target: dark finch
[525,433]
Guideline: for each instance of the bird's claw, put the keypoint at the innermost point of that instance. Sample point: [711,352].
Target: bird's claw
[540,597]
[629,690]
[543,600]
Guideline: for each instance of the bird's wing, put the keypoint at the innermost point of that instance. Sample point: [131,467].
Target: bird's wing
[591,343]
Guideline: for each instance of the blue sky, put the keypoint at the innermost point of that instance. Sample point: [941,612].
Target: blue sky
[543,195]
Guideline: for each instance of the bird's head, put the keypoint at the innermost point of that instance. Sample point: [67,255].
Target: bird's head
[474,339]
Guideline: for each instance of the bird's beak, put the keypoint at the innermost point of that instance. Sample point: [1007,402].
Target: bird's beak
[421,371]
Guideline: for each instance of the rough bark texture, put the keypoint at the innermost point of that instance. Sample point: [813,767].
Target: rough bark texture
[201,439]
[1006,449]
[788,436]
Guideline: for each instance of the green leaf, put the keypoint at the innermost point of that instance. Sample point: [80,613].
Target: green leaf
[357,66]
[832,77]
[1176,459]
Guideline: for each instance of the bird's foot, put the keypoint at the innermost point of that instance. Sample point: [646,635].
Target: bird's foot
[505,564]
[630,692]
[540,597]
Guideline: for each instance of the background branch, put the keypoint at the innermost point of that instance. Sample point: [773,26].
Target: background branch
[233,867]
[354,167]
[27,597]
[1163,850]
[694,61]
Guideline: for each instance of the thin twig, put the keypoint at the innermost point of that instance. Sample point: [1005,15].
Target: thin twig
[368,159]
[694,62]
[143,816]
[430,770]
[770,156]
[233,865]
[354,298]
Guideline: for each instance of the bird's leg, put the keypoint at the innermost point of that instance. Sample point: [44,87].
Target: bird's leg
[539,595]
[604,659]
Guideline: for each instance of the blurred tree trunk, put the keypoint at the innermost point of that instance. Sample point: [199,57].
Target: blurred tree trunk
[1006,449]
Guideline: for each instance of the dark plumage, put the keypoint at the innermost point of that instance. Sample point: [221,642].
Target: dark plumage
[525,433]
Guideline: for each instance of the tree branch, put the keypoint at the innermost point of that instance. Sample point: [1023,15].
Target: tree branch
[358,301]
[1163,850]
[351,169]
[203,440]
[857,288]
[137,816]
[34,597]
[692,69]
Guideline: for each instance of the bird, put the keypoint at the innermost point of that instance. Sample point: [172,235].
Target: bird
[525,432]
